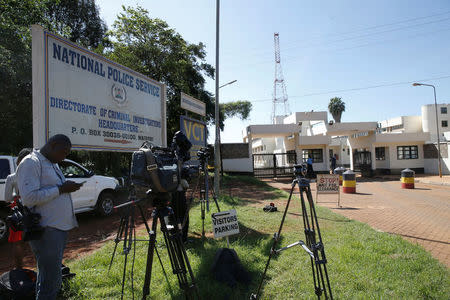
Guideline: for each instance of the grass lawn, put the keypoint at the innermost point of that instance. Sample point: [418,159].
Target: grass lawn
[362,263]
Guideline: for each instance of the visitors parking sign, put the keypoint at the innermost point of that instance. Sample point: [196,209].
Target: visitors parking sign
[225,223]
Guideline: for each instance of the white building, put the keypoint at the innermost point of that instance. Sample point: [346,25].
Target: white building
[387,146]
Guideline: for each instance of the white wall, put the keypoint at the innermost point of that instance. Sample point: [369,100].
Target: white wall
[238,165]
[431,164]
[429,120]
[306,116]
[412,124]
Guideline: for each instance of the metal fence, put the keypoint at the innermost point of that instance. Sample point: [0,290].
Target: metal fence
[274,165]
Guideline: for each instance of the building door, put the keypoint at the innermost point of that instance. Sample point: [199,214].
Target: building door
[362,162]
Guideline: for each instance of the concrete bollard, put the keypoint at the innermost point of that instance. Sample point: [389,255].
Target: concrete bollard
[407,179]
[349,182]
[340,171]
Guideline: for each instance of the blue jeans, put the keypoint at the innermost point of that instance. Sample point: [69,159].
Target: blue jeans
[48,251]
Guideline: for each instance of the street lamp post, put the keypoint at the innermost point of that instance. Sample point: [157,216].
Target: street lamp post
[437,125]
[217,142]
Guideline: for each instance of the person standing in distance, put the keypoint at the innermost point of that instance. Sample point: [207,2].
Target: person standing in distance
[44,190]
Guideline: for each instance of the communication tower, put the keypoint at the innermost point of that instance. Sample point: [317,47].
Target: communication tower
[279,87]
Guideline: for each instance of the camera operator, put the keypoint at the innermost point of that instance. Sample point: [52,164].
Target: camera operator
[44,190]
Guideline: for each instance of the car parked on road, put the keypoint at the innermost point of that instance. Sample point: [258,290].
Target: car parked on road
[97,193]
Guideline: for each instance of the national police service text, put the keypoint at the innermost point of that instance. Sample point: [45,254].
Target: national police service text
[83,62]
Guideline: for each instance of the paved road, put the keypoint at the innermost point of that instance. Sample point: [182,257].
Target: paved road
[421,215]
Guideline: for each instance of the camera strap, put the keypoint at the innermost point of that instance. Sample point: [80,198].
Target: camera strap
[152,169]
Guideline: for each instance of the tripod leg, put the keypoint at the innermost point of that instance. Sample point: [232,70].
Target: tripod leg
[117,240]
[178,256]
[202,208]
[125,251]
[321,261]
[134,258]
[151,248]
[213,193]
[275,242]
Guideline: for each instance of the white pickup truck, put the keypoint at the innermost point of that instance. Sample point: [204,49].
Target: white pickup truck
[98,193]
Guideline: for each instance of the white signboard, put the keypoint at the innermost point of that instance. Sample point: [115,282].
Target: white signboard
[225,223]
[97,103]
[327,183]
[192,104]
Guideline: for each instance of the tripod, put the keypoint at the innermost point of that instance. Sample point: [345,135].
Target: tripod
[127,233]
[177,253]
[203,186]
[314,248]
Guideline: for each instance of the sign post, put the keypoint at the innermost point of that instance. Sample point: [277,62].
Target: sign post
[97,103]
[195,131]
[328,184]
[193,105]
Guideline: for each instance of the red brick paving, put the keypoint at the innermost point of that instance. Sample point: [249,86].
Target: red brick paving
[421,215]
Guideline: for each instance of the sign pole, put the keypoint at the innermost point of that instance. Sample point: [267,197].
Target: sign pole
[339,198]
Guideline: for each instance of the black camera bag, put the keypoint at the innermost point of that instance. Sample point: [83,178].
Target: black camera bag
[23,219]
[155,169]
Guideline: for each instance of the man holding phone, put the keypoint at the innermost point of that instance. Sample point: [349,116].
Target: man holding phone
[44,190]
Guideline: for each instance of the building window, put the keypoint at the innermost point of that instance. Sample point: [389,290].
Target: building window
[315,154]
[443,110]
[291,157]
[407,152]
[380,153]
[444,123]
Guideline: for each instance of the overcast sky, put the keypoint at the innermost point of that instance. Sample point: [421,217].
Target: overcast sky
[366,52]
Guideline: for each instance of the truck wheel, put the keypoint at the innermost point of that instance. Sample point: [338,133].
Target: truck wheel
[105,204]
[4,230]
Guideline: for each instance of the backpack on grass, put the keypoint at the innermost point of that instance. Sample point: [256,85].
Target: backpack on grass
[18,284]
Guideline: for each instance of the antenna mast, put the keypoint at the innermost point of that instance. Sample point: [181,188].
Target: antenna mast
[279,87]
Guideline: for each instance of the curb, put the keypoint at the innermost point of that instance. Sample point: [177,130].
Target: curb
[432,182]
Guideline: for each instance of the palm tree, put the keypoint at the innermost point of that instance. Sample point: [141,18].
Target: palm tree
[336,107]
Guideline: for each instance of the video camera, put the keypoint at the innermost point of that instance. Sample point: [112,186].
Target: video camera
[204,153]
[158,170]
[300,170]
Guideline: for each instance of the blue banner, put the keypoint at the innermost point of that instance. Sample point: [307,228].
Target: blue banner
[195,131]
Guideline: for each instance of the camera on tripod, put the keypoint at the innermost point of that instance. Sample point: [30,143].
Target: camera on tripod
[159,171]
[300,170]
[204,153]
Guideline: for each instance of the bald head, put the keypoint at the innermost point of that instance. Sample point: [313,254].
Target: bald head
[57,148]
[60,139]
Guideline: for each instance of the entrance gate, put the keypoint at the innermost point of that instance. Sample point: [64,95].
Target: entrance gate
[274,165]
[362,161]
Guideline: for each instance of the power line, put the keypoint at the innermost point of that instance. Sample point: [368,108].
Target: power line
[359,88]
[370,34]
[292,58]
[371,28]
[384,25]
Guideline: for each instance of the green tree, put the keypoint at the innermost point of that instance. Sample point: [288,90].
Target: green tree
[336,107]
[77,20]
[151,47]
